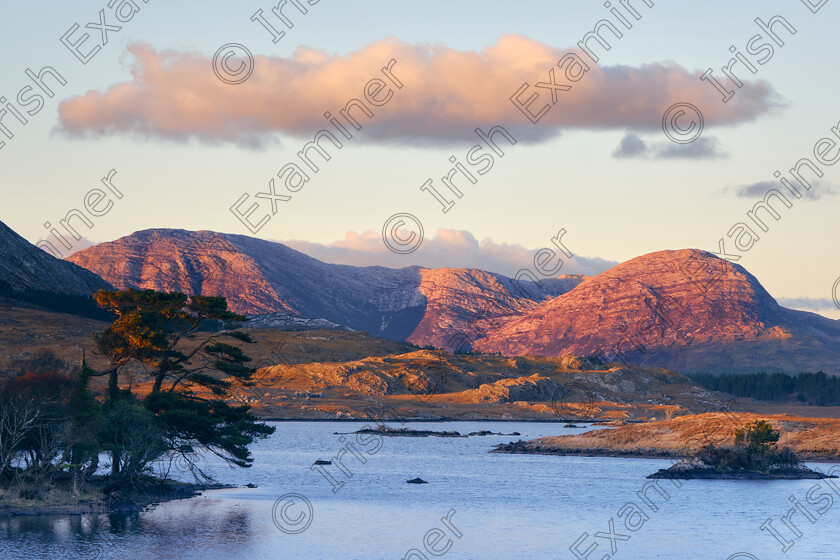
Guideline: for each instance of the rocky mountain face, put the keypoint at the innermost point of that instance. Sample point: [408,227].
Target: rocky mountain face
[24,266]
[686,310]
[464,305]
[261,277]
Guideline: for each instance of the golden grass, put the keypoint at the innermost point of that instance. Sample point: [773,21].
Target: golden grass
[811,438]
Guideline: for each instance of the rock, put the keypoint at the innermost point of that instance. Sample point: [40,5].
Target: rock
[251,485]
[416,481]
[531,388]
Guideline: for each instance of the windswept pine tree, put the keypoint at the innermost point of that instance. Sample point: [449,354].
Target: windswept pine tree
[191,376]
[54,424]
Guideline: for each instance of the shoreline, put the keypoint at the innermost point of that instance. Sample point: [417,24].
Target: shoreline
[446,419]
[515,448]
[711,474]
[136,503]
[619,454]
[811,439]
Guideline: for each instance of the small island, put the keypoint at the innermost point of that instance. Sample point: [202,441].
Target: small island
[753,455]
[383,430]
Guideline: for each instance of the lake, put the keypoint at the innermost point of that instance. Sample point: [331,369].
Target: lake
[476,505]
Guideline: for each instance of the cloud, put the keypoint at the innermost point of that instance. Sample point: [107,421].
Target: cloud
[818,189]
[61,251]
[808,304]
[633,146]
[755,189]
[705,147]
[446,94]
[630,146]
[448,249]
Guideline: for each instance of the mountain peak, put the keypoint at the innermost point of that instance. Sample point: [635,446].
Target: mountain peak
[661,307]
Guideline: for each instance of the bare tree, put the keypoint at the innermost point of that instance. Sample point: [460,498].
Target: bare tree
[18,416]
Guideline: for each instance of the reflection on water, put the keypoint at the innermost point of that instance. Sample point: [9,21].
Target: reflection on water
[189,524]
[502,506]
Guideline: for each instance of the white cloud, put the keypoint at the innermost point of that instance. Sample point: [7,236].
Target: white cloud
[447,249]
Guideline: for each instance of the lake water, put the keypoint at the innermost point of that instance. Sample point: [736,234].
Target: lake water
[475,506]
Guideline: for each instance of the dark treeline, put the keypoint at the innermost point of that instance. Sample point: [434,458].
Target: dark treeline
[54,301]
[811,388]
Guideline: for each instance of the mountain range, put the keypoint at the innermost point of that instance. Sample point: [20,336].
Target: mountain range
[261,277]
[685,310]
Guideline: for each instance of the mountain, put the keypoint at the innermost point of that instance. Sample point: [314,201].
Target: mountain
[262,277]
[463,305]
[24,268]
[686,310]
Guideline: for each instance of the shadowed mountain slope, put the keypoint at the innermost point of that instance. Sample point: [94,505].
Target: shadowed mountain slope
[24,266]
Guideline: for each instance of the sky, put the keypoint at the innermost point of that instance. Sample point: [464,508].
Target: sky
[186,146]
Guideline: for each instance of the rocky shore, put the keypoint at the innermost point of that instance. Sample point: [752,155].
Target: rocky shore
[688,470]
[60,501]
[533,447]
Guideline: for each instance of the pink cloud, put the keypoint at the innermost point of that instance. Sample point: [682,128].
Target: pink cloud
[449,248]
[446,94]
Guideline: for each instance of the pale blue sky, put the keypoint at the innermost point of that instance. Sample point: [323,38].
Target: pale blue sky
[615,209]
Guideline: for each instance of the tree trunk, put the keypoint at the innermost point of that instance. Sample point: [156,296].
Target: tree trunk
[158,383]
[114,385]
[115,464]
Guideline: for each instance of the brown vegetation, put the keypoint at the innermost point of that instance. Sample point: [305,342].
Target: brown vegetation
[810,438]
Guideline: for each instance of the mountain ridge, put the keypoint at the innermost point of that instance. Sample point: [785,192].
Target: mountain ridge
[685,309]
[262,277]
